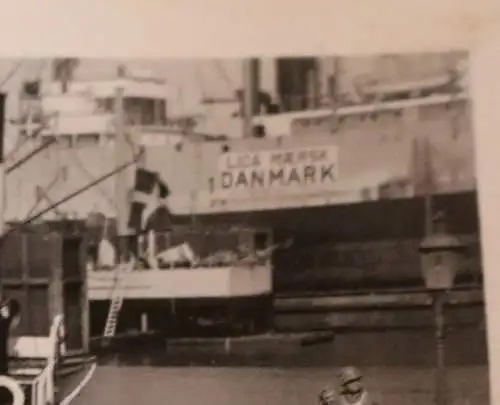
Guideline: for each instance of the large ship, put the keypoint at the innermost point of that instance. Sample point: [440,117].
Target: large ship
[332,164]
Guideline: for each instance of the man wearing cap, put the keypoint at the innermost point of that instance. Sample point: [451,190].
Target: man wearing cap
[353,391]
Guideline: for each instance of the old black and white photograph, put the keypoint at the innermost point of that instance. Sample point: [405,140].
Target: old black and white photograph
[287,230]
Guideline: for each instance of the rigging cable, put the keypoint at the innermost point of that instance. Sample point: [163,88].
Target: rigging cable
[11,74]
[72,195]
[225,76]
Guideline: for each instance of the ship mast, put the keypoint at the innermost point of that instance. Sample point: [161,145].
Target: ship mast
[251,86]
[332,86]
[121,154]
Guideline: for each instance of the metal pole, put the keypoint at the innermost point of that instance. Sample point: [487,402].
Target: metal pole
[429,187]
[311,89]
[440,389]
[250,93]
[332,90]
[428,213]
[3,98]
[121,191]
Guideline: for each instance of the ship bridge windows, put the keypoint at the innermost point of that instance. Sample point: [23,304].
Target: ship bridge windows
[259,131]
[86,140]
[297,82]
[78,140]
[62,140]
[138,110]
[145,111]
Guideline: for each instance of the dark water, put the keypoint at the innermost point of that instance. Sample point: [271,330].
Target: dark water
[398,369]
[395,348]
[291,375]
[115,385]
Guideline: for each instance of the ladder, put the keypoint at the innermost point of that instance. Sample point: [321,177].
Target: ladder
[116,300]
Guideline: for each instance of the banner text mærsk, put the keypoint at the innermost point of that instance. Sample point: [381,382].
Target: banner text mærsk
[315,167]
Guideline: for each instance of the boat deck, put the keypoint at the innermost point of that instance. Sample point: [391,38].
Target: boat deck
[213,282]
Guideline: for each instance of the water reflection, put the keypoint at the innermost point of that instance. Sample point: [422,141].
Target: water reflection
[278,386]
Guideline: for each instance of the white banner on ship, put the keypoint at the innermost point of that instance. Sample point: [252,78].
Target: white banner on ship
[275,172]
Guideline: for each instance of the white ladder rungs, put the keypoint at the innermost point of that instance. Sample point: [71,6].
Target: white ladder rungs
[116,301]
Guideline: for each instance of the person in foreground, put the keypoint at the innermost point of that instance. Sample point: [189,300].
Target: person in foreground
[352,390]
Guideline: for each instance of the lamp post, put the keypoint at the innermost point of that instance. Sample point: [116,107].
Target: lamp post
[440,258]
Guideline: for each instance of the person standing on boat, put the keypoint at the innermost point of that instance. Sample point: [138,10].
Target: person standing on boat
[9,318]
[353,391]
[10,312]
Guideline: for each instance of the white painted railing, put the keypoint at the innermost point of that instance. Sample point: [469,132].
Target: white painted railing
[49,349]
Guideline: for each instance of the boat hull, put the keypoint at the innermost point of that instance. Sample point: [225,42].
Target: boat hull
[182,283]
[70,384]
[183,301]
[223,316]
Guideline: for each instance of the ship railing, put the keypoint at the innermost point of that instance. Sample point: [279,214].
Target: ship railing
[218,259]
[214,248]
[195,249]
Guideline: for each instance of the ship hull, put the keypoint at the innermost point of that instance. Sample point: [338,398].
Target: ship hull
[363,246]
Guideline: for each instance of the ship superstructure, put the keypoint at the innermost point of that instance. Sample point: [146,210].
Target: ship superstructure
[331,169]
[392,121]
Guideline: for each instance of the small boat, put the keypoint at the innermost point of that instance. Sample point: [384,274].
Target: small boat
[39,373]
[205,281]
[43,321]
